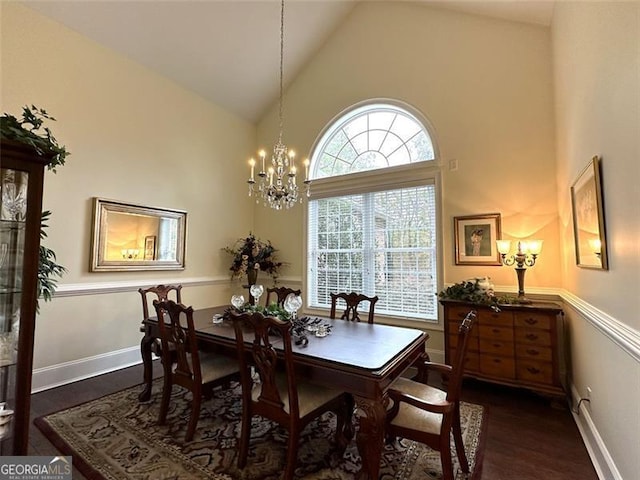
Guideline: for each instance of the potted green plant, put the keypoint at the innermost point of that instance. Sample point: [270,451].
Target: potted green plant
[30,129]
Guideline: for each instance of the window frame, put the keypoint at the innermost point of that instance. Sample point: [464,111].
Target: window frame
[403,176]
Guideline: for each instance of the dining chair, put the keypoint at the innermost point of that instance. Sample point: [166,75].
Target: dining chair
[278,394]
[161,292]
[426,414]
[352,301]
[281,294]
[198,372]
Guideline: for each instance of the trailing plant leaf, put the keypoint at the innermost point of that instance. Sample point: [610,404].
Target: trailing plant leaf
[48,268]
[29,130]
[476,290]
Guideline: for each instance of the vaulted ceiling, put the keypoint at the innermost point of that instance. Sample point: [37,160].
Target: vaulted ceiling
[228,50]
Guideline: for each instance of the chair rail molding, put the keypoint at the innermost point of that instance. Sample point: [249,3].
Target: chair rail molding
[77,289]
[622,335]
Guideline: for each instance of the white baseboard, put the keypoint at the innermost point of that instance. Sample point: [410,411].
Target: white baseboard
[68,372]
[602,462]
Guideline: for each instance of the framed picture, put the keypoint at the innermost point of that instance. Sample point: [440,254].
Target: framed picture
[588,218]
[150,247]
[475,239]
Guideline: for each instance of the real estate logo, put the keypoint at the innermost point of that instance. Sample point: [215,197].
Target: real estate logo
[35,468]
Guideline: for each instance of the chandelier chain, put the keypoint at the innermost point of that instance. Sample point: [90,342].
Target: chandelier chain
[281,69]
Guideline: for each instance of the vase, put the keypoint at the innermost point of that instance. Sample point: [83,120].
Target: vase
[252,276]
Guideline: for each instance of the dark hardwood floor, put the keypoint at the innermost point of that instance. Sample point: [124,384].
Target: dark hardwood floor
[527,438]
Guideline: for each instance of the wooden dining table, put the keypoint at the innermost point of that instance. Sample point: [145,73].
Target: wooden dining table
[359,358]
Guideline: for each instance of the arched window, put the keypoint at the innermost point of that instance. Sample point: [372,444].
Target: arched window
[371,137]
[372,217]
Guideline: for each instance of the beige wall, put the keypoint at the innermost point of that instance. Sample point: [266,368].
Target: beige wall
[596,51]
[133,136]
[486,87]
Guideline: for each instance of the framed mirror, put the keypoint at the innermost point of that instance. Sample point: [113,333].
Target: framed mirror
[588,218]
[129,237]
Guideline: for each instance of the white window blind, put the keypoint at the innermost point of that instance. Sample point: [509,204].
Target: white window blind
[377,243]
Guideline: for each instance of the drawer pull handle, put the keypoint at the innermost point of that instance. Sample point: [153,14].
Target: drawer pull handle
[497,360]
[531,336]
[533,370]
[531,321]
[497,345]
[533,352]
[495,330]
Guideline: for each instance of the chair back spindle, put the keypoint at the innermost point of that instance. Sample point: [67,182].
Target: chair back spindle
[266,330]
[352,301]
[162,292]
[280,293]
[455,380]
[175,324]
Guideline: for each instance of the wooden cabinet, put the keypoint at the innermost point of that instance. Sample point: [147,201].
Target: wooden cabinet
[518,346]
[21,177]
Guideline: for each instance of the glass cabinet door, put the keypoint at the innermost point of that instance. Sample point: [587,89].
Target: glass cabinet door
[14,184]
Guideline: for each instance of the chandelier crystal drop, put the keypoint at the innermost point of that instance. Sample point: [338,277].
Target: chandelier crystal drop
[277,182]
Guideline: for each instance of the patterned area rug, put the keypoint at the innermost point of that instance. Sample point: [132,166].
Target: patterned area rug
[118,438]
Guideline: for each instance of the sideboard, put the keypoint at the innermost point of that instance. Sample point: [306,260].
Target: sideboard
[521,345]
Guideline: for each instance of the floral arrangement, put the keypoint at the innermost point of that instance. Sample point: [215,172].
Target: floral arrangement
[251,253]
[474,290]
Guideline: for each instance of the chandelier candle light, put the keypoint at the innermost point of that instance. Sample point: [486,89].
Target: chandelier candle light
[277,184]
[525,257]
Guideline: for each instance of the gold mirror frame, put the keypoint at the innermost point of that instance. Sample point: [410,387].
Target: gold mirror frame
[588,218]
[130,237]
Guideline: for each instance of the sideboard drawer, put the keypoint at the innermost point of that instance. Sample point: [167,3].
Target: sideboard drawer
[533,336]
[472,343]
[496,366]
[489,317]
[494,332]
[539,372]
[532,320]
[534,352]
[457,313]
[496,347]
[471,360]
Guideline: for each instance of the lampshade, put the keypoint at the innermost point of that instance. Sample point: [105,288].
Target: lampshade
[534,247]
[503,246]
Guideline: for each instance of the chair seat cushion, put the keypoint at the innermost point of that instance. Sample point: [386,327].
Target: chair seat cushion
[413,418]
[310,396]
[216,366]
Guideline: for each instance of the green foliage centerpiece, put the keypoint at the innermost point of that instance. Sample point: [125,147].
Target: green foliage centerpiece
[475,290]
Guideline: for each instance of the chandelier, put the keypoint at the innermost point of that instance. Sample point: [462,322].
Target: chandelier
[276,183]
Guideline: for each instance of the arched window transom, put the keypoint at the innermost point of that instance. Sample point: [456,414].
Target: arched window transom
[371,137]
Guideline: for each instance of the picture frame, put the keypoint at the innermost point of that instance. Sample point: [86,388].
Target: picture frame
[475,239]
[150,247]
[587,208]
